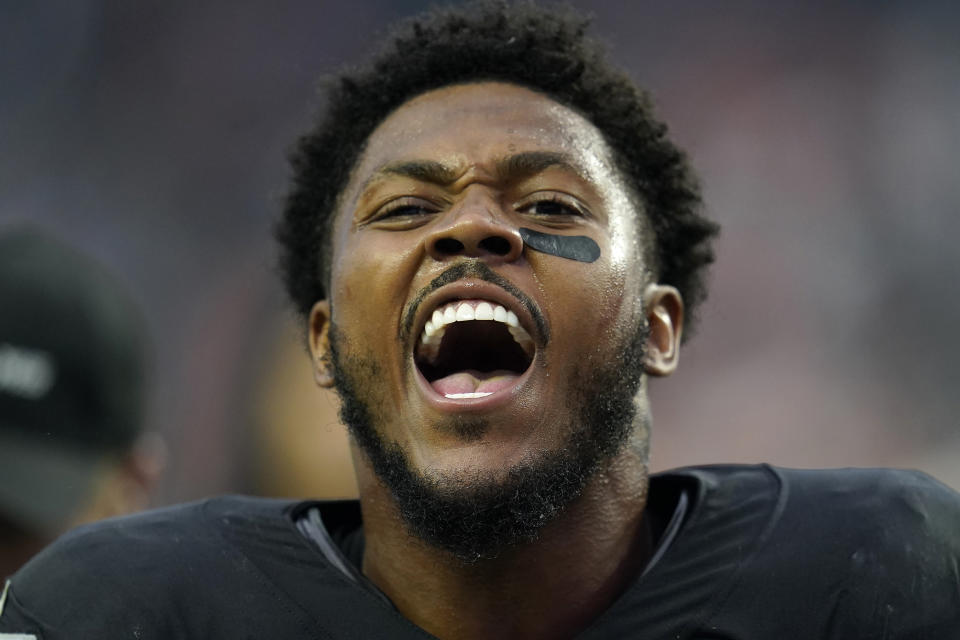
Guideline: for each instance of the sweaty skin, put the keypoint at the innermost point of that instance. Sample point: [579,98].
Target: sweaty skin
[579,248]
[449,179]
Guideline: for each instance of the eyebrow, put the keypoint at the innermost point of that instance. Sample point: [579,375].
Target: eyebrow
[509,169]
[530,163]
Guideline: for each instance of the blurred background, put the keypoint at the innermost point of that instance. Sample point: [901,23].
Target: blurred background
[153,135]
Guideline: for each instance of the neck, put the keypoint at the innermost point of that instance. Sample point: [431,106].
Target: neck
[554,586]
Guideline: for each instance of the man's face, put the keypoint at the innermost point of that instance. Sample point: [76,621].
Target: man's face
[429,230]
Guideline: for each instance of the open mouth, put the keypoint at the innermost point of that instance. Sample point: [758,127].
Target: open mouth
[472,349]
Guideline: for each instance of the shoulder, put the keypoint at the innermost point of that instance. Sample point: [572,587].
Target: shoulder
[136,569]
[893,510]
[883,526]
[849,499]
[852,553]
[157,540]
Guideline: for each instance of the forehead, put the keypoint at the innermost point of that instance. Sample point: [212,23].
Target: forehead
[466,126]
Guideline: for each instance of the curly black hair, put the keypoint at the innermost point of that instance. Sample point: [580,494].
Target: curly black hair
[544,49]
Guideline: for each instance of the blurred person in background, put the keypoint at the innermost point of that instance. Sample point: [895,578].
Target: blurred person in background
[72,386]
[297,446]
[493,246]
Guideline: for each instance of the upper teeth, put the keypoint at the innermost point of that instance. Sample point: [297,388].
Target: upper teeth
[466,310]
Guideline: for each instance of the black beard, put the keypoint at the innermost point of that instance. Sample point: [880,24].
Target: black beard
[475,518]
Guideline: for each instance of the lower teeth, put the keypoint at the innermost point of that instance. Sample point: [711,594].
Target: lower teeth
[461,396]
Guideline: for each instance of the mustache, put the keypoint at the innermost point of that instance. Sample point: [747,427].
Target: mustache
[480,271]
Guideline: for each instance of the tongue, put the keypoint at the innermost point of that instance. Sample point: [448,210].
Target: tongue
[472,381]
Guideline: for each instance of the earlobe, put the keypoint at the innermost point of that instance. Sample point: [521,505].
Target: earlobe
[319,338]
[664,308]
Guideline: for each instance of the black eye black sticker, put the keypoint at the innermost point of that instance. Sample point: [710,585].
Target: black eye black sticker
[579,248]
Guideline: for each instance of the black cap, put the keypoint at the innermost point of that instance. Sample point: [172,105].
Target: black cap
[72,349]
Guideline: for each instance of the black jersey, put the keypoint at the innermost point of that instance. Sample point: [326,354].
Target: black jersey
[761,553]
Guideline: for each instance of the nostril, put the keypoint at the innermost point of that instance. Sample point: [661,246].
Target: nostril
[496,245]
[448,246]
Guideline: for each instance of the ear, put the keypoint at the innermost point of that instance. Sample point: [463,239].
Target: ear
[319,339]
[664,308]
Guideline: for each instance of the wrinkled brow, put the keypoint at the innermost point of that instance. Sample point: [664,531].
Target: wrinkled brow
[530,163]
[509,169]
[422,170]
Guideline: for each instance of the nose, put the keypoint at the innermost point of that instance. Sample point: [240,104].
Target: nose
[475,229]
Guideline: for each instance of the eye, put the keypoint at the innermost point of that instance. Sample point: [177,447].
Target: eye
[405,207]
[550,205]
[406,211]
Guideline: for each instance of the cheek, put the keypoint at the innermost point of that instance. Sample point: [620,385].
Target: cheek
[616,312]
[626,269]
[610,303]
[371,275]
[624,243]
[593,303]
